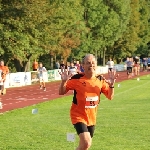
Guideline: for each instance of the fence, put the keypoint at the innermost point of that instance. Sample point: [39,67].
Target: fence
[28,78]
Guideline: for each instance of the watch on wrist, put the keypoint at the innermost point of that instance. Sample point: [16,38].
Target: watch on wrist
[111,87]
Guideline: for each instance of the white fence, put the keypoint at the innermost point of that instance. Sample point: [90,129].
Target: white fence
[27,78]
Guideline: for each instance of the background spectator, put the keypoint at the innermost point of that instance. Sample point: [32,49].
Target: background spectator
[35,65]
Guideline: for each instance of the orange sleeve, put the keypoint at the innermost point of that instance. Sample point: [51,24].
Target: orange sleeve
[71,84]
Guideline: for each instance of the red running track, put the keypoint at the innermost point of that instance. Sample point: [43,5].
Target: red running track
[20,97]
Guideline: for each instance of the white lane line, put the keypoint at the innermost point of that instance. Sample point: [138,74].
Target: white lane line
[20,98]
[11,103]
[18,102]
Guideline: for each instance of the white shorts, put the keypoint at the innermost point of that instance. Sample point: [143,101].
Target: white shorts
[41,79]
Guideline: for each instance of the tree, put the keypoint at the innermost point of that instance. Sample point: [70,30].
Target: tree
[134,40]
[144,33]
[67,26]
[20,37]
[106,21]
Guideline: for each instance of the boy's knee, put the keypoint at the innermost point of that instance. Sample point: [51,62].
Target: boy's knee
[85,142]
[84,146]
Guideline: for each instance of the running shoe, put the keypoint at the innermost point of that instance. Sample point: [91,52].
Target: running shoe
[44,89]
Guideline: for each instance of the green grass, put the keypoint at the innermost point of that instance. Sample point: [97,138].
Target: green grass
[122,124]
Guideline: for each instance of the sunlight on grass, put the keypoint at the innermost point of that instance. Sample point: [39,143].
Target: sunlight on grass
[122,124]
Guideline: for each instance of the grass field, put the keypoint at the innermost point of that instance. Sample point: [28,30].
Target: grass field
[122,124]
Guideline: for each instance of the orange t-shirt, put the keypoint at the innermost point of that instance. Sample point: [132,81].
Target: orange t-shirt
[86,98]
[35,65]
[4,70]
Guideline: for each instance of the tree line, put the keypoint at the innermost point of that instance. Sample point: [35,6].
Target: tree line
[48,30]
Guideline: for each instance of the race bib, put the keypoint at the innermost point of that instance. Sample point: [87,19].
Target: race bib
[92,102]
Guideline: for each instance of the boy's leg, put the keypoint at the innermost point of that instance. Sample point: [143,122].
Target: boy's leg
[128,73]
[85,135]
[41,85]
[85,141]
[44,88]
[2,89]
[41,82]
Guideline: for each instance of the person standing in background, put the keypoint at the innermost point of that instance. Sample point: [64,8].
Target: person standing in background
[148,63]
[110,64]
[129,64]
[62,64]
[41,71]
[141,64]
[136,66]
[57,65]
[72,69]
[81,69]
[144,64]
[4,71]
[35,65]
[77,65]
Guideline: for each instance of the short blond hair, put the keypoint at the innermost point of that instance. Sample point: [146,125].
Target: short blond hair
[86,56]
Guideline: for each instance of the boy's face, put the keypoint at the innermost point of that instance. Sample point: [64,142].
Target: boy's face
[90,65]
[41,65]
[1,63]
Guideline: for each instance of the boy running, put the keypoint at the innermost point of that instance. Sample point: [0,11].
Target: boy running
[87,88]
[1,83]
[4,71]
[41,71]
[129,63]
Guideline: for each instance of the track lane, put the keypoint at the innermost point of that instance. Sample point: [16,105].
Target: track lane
[20,97]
